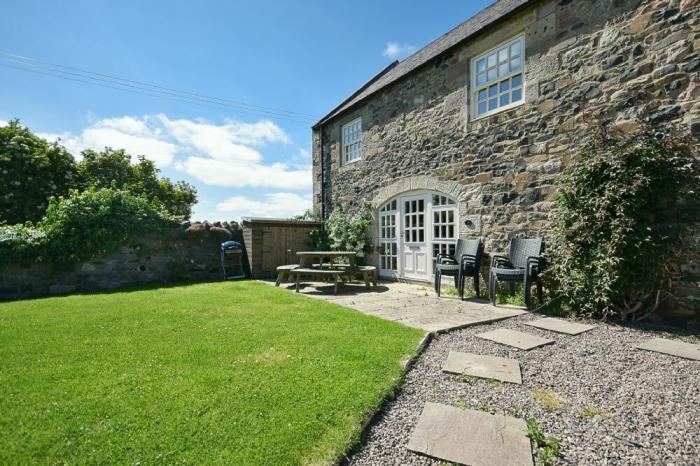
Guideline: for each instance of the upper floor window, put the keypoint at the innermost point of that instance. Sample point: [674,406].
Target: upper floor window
[352,141]
[497,78]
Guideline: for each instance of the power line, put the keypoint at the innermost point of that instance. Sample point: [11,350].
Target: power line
[183,100]
[148,89]
[85,72]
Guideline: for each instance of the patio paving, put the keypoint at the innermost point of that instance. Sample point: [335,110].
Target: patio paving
[672,347]
[561,326]
[523,341]
[470,437]
[483,366]
[413,305]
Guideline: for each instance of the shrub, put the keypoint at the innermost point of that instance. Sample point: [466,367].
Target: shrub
[81,226]
[114,169]
[31,171]
[350,232]
[623,211]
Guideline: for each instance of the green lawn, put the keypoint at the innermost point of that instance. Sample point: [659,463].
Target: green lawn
[217,373]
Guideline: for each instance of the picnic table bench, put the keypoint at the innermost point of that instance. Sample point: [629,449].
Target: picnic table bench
[337,272]
[332,273]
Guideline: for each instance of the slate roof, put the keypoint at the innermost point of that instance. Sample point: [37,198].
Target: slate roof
[397,70]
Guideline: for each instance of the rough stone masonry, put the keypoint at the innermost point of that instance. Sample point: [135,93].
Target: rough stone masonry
[623,59]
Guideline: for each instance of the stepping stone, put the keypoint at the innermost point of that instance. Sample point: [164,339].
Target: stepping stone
[672,347]
[486,367]
[470,437]
[560,326]
[523,341]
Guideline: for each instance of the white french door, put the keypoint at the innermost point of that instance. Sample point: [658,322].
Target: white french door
[413,229]
[414,244]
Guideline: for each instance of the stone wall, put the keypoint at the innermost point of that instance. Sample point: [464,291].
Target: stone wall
[622,59]
[188,253]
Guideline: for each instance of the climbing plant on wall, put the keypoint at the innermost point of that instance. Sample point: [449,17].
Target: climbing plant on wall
[625,211]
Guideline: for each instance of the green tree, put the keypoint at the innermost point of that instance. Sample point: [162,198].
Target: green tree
[31,172]
[113,169]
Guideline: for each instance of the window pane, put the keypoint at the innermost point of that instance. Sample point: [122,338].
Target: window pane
[504,99]
[481,78]
[517,80]
[491,74]
[515,64]
[492,60]
[482,94]
[482,107]
[480,65]
[517,95]
[505,85]
[515,48]
[493,104]
[493,90]
[503,69]
[503,55]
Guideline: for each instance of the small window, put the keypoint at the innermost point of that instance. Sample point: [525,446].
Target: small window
[352,141]
[497,78]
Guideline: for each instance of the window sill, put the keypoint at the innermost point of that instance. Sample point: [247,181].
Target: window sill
[497,111]
[350,163]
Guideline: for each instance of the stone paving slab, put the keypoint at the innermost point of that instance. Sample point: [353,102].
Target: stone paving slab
[413,305]
[560,326]
[523,341]
[470,437]
[485,367]
[672,347]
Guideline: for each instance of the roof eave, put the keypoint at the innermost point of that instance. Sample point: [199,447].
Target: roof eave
[331,114]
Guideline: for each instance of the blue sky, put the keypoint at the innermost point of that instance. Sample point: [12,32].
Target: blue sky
[300,56]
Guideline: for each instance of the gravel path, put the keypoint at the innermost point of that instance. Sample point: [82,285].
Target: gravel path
[650,402]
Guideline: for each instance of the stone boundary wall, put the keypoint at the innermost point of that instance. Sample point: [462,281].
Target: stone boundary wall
[187,253]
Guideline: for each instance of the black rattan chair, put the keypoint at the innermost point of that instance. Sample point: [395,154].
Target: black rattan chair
[465,263]
[523,265]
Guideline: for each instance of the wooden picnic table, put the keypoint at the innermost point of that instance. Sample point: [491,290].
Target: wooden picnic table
[311,263]
[307,258]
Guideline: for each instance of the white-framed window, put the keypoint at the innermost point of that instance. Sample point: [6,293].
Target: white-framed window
[444,211]
[497,78]
[352,141]
[388,239]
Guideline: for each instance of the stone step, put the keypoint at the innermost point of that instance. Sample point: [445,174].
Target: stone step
[470,437]
[560,326]
[520,340]
[672,347]
[482,366]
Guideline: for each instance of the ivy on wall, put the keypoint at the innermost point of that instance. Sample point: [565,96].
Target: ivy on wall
[81,226]
[624,211]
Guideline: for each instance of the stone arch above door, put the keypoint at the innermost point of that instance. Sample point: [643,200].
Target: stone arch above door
[465,195]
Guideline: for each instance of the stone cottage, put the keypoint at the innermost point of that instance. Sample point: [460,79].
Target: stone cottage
[467,136]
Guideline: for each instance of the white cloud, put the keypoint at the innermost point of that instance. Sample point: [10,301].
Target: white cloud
[129,133]
[3,123]
[273,205]
[226,155]
[395,50]
[236,174]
